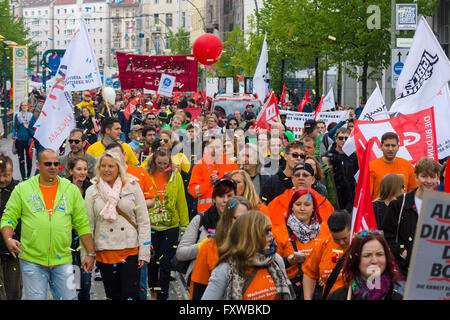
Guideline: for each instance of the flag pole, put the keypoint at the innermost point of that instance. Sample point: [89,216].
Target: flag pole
[106,101]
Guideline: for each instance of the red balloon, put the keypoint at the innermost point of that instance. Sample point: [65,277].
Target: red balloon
[207,49]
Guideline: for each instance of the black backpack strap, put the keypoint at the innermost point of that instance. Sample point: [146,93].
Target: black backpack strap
[249,280]
[333,276]
[291,239]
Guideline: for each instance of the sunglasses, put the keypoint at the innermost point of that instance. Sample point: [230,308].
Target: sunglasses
[268,230]
[151,118]
[342,138]
[304,175]
[75,141]
[296,155]
[232,123]
[363,234]
[165,140]
[49,164]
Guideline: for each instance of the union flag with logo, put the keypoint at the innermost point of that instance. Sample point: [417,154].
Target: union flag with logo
[268,115]
[416,132]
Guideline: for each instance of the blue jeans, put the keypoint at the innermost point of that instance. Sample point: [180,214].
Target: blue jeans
[37,278]
[143,283]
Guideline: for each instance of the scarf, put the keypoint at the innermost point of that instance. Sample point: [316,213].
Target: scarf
[362,292]
[264,259]
[111,196]
[304,233]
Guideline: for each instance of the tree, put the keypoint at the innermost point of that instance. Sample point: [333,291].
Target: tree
[179,42]
[13,28]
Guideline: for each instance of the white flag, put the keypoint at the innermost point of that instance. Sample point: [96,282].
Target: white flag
[374,110]
[77,71]
[426,70]
[328,101]
[261,77]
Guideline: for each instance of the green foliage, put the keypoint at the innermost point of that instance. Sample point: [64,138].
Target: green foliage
[179,42]
[13,29]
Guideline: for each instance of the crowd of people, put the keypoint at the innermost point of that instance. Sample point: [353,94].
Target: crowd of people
[135,197]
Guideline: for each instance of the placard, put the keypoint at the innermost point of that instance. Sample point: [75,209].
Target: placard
[429,268]
[20,76]
[166,84]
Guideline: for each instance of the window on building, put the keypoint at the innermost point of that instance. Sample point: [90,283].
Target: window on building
[117,12]
[100,30]
[169,19]
[156,16]
[168,1]
[183,19]
[156,1]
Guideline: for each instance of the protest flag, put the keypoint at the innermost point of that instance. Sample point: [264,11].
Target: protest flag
[283,95]
[268,115]
[78,71]
[319,108]
[363,216]
[304,101]
[262,76]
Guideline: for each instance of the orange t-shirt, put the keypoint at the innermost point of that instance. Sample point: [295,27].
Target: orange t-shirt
[262,287]
[115,256]
[161,184]
[285,248]
[204,264]
[49,194]
[378,168]
[144,180]
[322,261]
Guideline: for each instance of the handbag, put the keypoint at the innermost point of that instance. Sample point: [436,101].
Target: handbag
[182,266]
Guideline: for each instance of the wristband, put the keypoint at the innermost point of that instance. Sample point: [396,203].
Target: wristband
[9,239]
[92,255]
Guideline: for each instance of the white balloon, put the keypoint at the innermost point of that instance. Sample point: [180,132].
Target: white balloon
[110,95]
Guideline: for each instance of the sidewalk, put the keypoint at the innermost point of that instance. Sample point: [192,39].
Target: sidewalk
[6,146]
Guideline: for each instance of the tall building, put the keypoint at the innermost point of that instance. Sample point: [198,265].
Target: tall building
[52,24]
[158,18]
[124,17]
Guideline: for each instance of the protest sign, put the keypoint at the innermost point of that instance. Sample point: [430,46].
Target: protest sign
[295,121]
[166,84]
[429,271]
[140,71]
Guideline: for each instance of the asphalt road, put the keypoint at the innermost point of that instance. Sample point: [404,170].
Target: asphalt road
[176,290]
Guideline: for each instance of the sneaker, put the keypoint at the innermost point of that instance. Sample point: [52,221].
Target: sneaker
[97,275]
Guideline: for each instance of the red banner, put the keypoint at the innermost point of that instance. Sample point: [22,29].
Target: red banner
[139,71]
[416,132]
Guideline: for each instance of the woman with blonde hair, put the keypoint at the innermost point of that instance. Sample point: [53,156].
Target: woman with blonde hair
[391,187]
[246,189]
[248,267]
[250,161]
[120,226]
[207,253]
[318,175]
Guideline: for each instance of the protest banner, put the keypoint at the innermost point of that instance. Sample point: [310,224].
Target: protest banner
[20,76]
[144,72]
[295,121]
[416,132]
[429,271]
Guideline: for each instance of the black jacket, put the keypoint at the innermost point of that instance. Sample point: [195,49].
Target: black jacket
[341,294]
[344,169]
[5,193]
[406,230]
[210,218]
[381,210]
[275,186]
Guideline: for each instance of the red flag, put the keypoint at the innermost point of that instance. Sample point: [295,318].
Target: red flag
[416,132]
[131,107]
[268,115]
[203,97]
[447,179]
[283,96]
[319,108]
[363,214]
[304,101]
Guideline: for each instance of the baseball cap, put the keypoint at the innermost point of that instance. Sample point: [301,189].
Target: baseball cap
[87,94]
[303,166]
[162,116]
[310,125]
[135,127]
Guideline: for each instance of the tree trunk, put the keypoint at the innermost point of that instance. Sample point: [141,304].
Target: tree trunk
[339,84]
[364,80]
[316,67]
[282,74]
